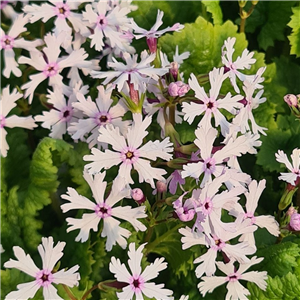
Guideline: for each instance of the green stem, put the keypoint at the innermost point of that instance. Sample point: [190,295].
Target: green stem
[89,291]
[71,296]
[172,114]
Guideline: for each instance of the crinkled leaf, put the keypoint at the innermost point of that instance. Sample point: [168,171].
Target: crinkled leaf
[295,36]
[271,18]
[214,8]
[279,259]
[286,287]
[204,42]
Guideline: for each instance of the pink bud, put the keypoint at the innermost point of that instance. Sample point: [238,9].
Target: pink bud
[291,100]
[138,195]
[174,69]
[291,211]
[178,88]
[161,186]
[295,222]
[152,44]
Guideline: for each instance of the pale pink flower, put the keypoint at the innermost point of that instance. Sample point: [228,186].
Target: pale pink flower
[138,74]
[99,113]
[106,22]
[102,209]
[295,222]
[44,278]
[251,102]
[11,41]
[235,290]
[294,167]
[130,154]
[62,12]
[136,279]
[152,34]
[268,222]
[214,164]
[211,105]
[62,112]
[242,62]
[50,64]
[7,103]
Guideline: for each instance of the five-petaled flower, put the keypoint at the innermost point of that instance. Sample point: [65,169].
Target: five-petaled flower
[45,277]
[137,280]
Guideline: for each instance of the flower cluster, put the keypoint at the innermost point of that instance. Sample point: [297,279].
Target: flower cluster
[127,113]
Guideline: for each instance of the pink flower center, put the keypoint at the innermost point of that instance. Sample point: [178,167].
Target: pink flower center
[129,155]
[207,206]
[66,114]
[212,105]
[250,215]
[209,165]
[102,21]
[2,121]
[7,42]
[62,10]
[233,277]
[103,210]
[136,283]
[102,118]
[51,69]
[44,278]
[219,244]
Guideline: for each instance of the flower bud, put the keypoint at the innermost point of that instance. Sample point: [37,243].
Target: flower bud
[242,3]
[174,70]
[152,44]
[161,186]
[138,195]
[287,197]
[292,210]
[291,100]
[178,88]
[295,222]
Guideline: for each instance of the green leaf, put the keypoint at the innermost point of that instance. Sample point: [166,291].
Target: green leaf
[295,36]
[271,17]
[214,8]
[204,42]
[286,287]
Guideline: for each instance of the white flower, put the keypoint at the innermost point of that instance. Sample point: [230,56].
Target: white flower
[7,103]
[211,105]
[99,113]
[236,291]
[106,22]
[294,176]
[267,222]
[214,163]
[241,63]
[51,65]
[61,114]
[10,41]
[130,154]
[102,209]
[44,278]
[62,11]
[132,72]
[137,280]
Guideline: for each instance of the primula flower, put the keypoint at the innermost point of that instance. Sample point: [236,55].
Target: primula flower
[268,222]
[137,281]
[211,105]
[45,277]
[10,41]
[49,64]
[235,289]
[137,74]
[250,102]
[295,222]
[7,103]
[152,34]
[106,22]
[214,163]
[62,112]
[62,11]
[294,176]
[102,209]
[241,63]
[130,154]
[99,113]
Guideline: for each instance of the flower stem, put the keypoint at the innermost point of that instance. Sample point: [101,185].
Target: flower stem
[89,291]
[70,294]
